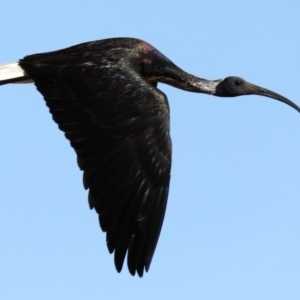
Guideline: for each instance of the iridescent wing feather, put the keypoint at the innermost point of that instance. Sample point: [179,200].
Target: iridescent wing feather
[118,124]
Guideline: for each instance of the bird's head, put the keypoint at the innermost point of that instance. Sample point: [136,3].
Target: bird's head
[235,86]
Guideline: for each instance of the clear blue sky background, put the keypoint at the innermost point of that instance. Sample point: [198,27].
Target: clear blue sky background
[232,227]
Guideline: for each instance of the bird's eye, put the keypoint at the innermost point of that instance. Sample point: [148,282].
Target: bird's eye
[237,82]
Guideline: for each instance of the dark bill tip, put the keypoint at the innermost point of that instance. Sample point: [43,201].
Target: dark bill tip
[270,94]
[267,93]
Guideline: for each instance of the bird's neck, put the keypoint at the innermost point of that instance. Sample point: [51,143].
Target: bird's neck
[201,85]
[163,70]
[191,83]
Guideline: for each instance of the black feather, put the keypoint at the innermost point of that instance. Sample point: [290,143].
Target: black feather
[117,121]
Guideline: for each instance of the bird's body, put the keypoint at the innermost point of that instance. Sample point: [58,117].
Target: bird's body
[103,95]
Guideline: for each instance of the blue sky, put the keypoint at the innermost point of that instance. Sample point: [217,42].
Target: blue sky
[232,227]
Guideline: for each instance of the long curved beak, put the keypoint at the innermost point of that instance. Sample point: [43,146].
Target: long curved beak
[257,90]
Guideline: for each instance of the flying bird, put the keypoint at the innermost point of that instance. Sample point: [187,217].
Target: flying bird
[103,95]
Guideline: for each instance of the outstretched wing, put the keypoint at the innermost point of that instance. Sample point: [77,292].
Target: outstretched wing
[118,124]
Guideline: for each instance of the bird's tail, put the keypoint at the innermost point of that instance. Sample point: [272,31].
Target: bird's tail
[13,73]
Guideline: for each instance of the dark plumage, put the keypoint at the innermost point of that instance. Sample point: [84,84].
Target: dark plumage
[103,95]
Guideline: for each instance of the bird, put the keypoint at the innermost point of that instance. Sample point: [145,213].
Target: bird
[103,95]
